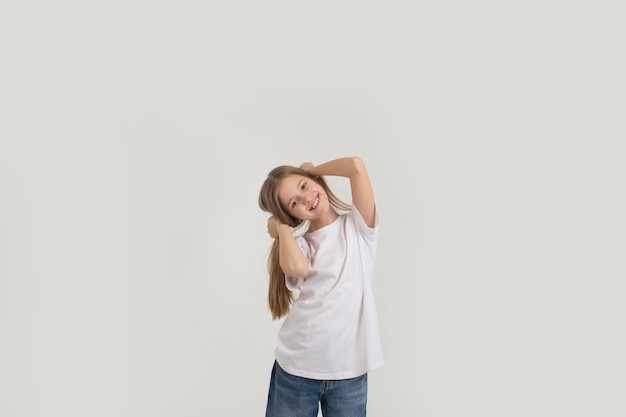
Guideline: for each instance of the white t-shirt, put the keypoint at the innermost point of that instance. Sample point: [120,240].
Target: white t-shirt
[332,329]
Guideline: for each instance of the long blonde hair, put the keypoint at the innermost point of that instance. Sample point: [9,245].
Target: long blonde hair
[279,296]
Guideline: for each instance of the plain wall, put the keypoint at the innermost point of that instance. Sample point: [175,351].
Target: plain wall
[134,139]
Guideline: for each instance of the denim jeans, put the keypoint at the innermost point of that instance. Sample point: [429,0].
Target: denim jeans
[294,396]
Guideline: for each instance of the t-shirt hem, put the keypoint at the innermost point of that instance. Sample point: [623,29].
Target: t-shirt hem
[328,376]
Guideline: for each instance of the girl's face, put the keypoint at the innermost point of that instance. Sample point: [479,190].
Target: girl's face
[303,197]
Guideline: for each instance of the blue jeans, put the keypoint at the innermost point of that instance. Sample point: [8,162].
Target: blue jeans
[294,396]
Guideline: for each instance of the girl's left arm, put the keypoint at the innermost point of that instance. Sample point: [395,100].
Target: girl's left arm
[360,185]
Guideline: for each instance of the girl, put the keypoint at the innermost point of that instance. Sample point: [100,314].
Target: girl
[330,338]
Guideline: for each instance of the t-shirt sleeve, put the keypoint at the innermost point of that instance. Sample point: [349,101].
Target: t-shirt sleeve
[293,283]
[369,233]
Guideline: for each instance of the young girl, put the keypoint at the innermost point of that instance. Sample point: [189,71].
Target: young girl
[330,338]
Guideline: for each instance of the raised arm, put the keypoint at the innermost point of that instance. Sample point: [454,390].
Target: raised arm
[360,185]
[292,260]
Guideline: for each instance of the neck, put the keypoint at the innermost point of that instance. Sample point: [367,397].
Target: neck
[323,221]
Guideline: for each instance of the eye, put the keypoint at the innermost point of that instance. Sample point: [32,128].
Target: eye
[295,202]
[303,186]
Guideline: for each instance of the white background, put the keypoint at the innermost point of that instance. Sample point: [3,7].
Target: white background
[135,136]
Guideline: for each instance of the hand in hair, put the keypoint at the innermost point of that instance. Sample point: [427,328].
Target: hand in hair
[272,226]
[307,166]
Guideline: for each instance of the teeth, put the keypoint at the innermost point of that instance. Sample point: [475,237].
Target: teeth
[317,200]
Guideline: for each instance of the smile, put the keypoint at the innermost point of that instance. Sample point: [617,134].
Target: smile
[316,202]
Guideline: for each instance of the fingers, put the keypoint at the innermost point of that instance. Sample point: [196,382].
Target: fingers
[272,227]
[307,166]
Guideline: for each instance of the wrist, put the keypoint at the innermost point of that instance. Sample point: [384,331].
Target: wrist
[282,227]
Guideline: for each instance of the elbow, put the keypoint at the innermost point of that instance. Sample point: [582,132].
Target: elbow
[358,165]
[298,270]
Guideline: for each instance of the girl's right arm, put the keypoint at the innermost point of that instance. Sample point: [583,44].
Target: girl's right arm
[292,260]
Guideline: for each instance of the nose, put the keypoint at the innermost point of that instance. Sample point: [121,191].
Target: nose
[310,198]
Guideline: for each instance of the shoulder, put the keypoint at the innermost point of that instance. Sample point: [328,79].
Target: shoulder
[362,227]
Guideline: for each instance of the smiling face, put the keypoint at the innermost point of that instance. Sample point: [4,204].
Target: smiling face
[305,199]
